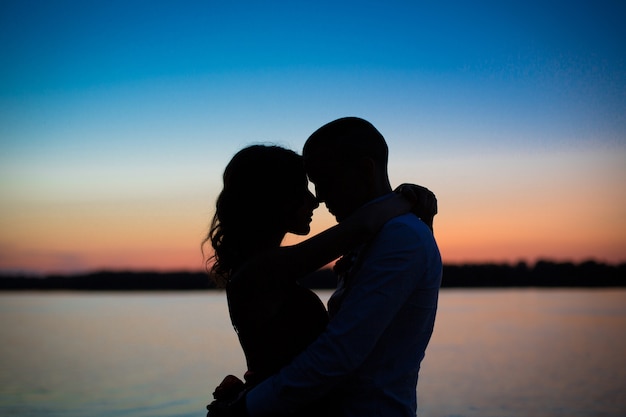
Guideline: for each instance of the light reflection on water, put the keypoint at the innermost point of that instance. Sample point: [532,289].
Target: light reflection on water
[527,353]
[494,353]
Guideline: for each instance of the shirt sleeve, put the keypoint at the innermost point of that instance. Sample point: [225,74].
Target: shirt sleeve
[388,275]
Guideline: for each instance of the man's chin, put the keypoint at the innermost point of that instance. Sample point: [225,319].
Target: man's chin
[339,217]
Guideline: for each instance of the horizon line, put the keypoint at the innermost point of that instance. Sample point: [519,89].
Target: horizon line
[25,273]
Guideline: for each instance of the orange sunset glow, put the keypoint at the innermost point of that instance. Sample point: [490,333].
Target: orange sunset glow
[112,145]
[572,215]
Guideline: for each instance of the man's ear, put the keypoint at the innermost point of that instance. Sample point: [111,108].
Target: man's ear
[367,168]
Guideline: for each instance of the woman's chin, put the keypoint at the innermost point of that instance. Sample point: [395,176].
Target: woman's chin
[301,231]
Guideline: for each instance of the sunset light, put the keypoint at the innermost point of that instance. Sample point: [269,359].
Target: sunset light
[117,120]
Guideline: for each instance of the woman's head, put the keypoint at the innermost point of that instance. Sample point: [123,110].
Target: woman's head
[265,195]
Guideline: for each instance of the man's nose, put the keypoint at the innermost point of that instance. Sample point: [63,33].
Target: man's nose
[314,201]
[319,195]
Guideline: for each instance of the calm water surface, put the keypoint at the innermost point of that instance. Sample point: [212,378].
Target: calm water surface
[494,353]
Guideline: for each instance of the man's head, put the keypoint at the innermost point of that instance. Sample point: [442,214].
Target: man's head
[346,159]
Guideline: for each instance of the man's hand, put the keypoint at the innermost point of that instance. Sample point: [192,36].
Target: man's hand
[220,408]
[230,399]
[424,201]
[229,389]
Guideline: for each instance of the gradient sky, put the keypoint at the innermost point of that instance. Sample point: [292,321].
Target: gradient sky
[118,117]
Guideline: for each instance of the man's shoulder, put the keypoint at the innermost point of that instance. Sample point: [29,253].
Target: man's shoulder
[406,222]
[407,230]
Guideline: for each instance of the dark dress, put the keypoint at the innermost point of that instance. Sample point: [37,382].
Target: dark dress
[274,323]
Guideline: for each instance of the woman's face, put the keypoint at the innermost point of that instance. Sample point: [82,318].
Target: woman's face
[299,219]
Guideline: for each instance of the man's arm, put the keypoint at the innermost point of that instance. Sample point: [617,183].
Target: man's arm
[386,279]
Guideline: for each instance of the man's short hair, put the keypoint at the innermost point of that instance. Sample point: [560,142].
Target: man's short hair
[347,139]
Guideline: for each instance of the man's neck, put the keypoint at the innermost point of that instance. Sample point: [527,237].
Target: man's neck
[381,189]
[378,194]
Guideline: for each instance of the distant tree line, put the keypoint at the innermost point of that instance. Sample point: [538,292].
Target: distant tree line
[542,274]
[111,281]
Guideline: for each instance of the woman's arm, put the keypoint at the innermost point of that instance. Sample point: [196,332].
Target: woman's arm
[425,202]
[296,261]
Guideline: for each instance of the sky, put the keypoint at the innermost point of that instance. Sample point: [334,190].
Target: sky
[117,119]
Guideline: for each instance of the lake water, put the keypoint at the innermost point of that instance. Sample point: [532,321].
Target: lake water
[522,352]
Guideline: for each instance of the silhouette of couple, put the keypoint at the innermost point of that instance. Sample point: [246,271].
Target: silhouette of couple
[362,357]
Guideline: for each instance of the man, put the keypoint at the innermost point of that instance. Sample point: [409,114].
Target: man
[383,311]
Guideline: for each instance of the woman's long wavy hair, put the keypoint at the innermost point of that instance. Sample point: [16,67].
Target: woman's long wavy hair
[262,186]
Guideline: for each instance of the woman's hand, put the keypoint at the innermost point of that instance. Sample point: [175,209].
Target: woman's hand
[423,200]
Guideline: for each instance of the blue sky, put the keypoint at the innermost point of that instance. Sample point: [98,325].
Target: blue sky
[129,104]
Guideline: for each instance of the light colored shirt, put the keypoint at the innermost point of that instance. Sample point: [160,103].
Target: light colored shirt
[372,348]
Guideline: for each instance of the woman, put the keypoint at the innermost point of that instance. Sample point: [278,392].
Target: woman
[265,196]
